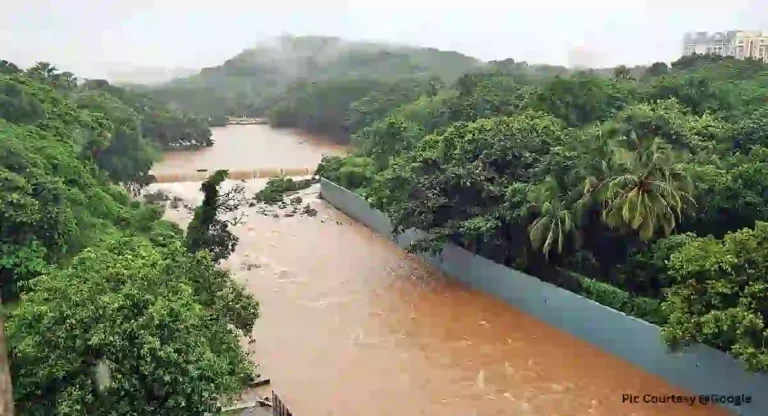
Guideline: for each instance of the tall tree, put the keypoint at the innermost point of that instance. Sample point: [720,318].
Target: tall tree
[652,193]
[209,228]
[551,230]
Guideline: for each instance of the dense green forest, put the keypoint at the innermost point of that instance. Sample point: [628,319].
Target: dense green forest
[108,309]
[246,84]
[290,74]
[645,191]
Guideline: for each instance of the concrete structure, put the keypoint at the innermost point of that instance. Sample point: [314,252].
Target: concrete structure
[700,370]
[236,175]
[740,44]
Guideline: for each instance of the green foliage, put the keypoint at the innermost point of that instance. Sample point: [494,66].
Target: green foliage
[482,95]
[17,105]
[429,113]
[720,295]
[646,309]
[646,272]
[47,74]
[657,69]
[276,188]
[51,203]
[651,194]
[739,197]
[247,83]
[8,67]
[582,99]
[129,156]
[751,130]
[157,321]
[386,138]
[699,93]
[209,229]
[471,172]
[381,102]
[351,172]
[100,284]
[321,107]
[613,196]
[166,127]
[555,222]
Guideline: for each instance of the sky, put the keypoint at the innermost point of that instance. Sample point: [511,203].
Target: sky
[94,38]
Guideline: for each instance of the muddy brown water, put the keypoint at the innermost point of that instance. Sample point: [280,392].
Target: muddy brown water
[352,325]
[249,147]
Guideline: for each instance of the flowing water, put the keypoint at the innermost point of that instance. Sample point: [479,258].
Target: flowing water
[352,325]
[248,147]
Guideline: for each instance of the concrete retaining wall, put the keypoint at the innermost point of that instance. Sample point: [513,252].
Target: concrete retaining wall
[167,177]
[699,370]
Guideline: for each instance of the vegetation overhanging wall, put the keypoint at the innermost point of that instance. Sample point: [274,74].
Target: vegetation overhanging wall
[699,370]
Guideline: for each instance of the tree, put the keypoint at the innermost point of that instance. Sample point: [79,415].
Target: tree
[129,156]
[386,138]
[8,67]
[129,329]
[719,296]
[66,81]
[652,193]
[621,72]
[43,72]
[656,70]
[468,184]
[551,230]
[209,230]
[699,93]
[582,99]
[18,104]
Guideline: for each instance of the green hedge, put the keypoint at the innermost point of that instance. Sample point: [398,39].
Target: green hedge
[646,309]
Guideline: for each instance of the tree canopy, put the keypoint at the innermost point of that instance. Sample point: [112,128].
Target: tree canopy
[617,184]
[110,313]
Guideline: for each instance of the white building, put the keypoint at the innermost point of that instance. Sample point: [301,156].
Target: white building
[740,44]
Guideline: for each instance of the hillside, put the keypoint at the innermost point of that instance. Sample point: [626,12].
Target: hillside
[241,84]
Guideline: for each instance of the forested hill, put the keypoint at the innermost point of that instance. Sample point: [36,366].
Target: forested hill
[240,85]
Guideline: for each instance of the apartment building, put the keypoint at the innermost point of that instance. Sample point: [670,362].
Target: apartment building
[740,44]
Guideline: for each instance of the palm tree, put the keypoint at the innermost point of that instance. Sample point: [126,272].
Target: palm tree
[66,80]
[651,193]
[555,222]
[43,71]
[595,165]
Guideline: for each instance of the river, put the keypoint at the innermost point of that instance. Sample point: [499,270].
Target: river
[249,147]
[352,325]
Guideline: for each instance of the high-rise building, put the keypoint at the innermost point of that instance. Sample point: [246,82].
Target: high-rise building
[740,44]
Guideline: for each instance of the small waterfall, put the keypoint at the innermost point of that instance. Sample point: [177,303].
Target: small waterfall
[170,177]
